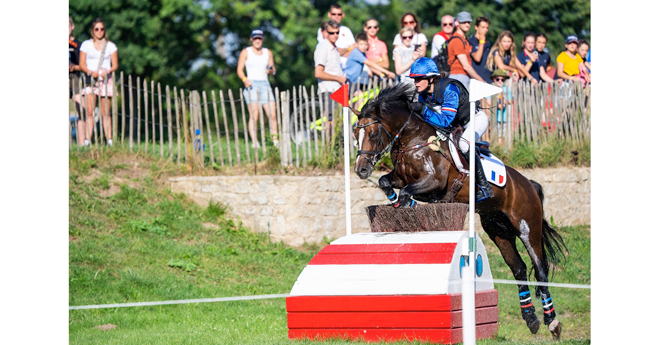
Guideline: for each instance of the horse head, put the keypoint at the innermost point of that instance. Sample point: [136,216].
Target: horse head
[377,126]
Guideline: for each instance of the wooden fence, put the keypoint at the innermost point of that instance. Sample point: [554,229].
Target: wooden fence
[202,129]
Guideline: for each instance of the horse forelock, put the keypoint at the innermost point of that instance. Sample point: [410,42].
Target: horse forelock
[388,100]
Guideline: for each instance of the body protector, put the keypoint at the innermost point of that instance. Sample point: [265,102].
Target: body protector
[449,104]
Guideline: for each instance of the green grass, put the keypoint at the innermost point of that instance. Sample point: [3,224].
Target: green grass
[144,243]
[551,153]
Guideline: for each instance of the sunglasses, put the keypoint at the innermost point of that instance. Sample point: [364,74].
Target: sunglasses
[372,27]
[333,33]
[99,29]
[336,14]
[447,24]
[406,37]
[411,22]
[499,79]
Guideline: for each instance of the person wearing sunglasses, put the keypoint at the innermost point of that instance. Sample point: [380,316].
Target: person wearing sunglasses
[377,51]
[419,40]
[439,38]
[499,77]
[327,67]
[258,61]
[404,55]
[346,41]
[98,60]
[444,103]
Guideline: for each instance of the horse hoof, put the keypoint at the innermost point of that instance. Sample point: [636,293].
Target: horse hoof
[534,326]
[555,329]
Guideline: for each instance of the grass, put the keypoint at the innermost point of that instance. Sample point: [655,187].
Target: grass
[132,240]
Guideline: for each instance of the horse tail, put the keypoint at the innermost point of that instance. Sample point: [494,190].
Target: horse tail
[553,244]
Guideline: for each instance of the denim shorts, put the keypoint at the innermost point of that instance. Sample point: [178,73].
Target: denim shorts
[263,89]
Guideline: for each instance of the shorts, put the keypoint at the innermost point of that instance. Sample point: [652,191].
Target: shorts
[261,88]
[74,85]
[100,88]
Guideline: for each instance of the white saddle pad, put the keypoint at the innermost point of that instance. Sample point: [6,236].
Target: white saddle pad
[494,169]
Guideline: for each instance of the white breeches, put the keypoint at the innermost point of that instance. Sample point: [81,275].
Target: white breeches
[480,126]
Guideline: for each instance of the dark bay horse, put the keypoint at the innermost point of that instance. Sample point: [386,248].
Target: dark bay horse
[388,123]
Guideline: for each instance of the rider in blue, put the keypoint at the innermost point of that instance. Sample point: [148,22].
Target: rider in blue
[444,102]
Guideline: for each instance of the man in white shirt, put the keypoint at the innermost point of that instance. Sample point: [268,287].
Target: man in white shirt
[346,41]
[447,23]
[327,66]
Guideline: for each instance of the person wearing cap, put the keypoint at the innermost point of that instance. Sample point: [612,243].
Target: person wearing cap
[346,41]
[259,63]
[504,98]
[569,63]
[459,52]
[444,103]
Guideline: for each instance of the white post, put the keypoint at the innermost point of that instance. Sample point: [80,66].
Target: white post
[467,305]
[347,169]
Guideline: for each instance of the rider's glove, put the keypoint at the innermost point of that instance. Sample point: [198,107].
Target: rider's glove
[418,107]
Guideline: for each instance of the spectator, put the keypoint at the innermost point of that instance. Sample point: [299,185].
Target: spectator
[98,60]
[480,47]
[356,61]
[404,55]
[501,53]
[419,40]
[583,51]
[459,52]
[503,99]
[327,67]
[377,50]
[259,63]
[544,60]
[527,59]
[570,65]
[447,23]
[74,79]
[346,42]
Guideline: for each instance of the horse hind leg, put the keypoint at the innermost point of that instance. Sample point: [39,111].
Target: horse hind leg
[533,241]
[500,233]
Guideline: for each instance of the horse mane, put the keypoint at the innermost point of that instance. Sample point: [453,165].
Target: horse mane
[399,95]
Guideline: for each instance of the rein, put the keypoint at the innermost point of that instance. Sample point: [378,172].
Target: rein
[375,155]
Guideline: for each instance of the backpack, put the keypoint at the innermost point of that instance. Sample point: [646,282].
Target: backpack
[442,59]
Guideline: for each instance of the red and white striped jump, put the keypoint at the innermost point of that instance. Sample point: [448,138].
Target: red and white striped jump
[390,286]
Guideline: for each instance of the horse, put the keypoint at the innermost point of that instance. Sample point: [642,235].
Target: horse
[388,123]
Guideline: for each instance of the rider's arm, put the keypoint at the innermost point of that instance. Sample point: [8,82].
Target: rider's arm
[443,115]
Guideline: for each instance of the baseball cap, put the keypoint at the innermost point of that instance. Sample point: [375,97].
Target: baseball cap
[571,38]
[257,33]
[463,17]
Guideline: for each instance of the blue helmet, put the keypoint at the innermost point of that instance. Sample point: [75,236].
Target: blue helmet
[423,67]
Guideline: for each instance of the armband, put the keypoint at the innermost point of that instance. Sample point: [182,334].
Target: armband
[482,41]
[244,79]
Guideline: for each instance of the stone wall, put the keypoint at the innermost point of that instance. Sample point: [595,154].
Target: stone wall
[299,209]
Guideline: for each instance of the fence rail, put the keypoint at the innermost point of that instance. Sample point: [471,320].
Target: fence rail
[189,134]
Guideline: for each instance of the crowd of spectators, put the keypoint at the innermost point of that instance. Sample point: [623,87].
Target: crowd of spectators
[342,57]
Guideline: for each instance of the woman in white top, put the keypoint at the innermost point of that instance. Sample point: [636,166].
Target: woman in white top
[259,63]
[419,39]
[404,55]
[90,60]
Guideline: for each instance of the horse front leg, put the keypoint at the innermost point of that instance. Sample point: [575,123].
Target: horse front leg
[423,185]
[387,183]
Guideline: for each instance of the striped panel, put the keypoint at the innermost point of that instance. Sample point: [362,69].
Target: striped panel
[401,238]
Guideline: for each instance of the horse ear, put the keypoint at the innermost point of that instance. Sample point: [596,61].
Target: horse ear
[356,112]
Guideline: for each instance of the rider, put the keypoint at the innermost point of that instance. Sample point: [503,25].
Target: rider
[443,102]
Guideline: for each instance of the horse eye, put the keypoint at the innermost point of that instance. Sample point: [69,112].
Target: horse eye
[372,135]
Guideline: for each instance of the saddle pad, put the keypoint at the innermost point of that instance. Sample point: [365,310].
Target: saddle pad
[494,169]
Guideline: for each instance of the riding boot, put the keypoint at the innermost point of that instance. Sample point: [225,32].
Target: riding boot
[484,189]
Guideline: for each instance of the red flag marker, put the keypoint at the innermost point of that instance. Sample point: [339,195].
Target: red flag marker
[341,95]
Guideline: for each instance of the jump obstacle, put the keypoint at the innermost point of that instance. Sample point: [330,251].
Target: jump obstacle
[392,286]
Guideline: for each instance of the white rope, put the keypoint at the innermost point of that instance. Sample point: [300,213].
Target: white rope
[182,301]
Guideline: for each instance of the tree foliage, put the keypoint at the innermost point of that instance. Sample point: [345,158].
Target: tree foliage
[195,44]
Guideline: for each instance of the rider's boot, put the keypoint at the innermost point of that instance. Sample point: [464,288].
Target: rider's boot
[484,190]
